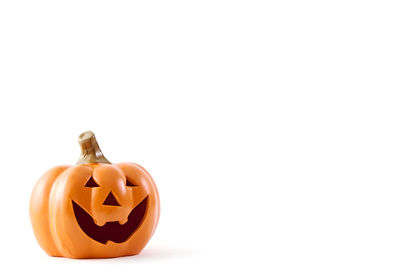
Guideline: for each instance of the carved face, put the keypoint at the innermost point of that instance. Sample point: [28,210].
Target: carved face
[111,196]
[96,210]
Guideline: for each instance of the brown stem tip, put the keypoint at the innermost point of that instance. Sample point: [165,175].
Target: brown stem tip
[90,150]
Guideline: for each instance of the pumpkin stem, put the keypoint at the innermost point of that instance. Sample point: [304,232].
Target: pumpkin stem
[91,152]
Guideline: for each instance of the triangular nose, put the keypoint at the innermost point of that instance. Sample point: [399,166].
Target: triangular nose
[110,200]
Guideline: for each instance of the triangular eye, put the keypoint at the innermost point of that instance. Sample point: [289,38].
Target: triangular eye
[129,183]
[91,183]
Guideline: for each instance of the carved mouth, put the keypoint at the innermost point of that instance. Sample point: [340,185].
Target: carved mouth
[112,231]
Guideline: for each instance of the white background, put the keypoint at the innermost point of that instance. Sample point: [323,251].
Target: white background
[271,127]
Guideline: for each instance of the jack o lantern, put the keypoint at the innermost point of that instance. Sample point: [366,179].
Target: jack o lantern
[94,209]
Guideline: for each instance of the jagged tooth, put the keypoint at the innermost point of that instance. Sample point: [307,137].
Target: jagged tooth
[100,222]
[123,221]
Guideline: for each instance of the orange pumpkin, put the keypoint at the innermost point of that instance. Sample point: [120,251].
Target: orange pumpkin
[94,209]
